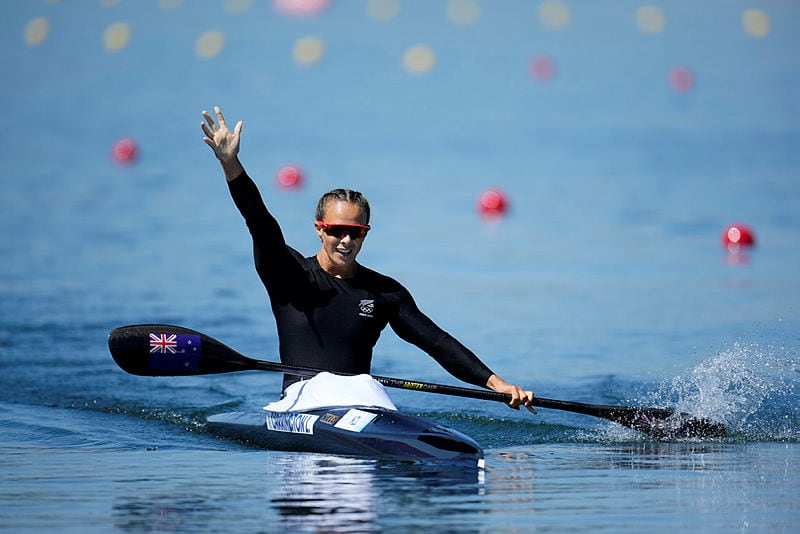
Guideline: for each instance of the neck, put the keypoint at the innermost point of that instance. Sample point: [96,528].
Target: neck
[348,271]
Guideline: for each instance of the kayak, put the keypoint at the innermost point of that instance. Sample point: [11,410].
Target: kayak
[166,350]
[346,415]
[350,431]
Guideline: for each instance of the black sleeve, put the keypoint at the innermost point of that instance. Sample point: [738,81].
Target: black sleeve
[275,261]
[415,327]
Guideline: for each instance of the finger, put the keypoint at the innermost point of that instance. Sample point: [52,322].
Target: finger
[220,118]
[210,121]
[520,397]
[528,400]
[205,129]
[238,129]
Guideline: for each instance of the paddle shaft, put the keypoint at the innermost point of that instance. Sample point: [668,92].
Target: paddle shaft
[133,349]
[428,387]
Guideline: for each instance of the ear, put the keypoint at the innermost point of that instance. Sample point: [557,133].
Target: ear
[318,228]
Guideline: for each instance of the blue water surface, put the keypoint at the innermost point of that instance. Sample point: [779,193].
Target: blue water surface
[604,283]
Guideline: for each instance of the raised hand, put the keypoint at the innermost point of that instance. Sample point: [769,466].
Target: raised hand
[223,141]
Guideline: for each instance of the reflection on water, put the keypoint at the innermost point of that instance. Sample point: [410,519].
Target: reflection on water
[331,493]
[164,512]
[663,456]
[323,492]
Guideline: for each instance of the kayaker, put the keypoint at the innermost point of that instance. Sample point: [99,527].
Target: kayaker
[329,309]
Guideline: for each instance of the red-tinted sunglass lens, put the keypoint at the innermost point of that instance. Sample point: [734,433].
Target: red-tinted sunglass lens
[340,230]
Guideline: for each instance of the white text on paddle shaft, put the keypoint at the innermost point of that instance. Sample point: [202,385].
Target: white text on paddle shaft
[296,423]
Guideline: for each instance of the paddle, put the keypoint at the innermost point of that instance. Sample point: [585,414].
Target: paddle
[165,350]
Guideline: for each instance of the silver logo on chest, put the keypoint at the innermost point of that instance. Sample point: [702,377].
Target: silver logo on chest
[366,307]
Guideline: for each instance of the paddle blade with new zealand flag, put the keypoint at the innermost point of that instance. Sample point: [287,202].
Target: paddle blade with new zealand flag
[166,350]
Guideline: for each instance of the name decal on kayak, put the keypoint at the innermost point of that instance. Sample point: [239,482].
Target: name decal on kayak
[295,423]
[355,420]
[412,385]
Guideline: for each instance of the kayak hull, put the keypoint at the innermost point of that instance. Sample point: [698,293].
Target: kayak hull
[350,431]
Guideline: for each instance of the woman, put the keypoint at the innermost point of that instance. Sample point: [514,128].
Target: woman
[329,309]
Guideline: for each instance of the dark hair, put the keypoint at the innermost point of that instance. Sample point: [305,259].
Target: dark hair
[342,195]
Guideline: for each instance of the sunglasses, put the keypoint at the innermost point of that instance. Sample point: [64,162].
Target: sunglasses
[355,231]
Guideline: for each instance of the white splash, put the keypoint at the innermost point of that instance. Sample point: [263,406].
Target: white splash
[751,389]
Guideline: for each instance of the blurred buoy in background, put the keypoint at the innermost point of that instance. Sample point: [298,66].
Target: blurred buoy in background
[308,50]
[210,44]
[542,68]
[492,203]
[300,8]
[650,19]
[737,236]
[124,151]
[289,177]
[419,59]
[681,79]
[37,30]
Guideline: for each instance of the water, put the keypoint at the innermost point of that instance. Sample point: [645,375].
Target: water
[606,488]
[605,283]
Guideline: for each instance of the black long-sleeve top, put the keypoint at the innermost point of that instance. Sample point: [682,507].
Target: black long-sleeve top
[332,323]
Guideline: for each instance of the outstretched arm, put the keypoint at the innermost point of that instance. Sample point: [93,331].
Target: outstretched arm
[224,143]
[415,327]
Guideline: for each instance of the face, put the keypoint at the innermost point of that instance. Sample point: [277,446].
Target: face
[338,254]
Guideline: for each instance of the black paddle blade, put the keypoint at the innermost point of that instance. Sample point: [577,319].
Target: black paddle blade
[677,425]
[166,350]
[658,422]
[663,423]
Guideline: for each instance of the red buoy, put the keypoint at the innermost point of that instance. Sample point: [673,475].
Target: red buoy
[681,79]
[542,68]
[492,203]
[738,235]
[289,177]
[124,151]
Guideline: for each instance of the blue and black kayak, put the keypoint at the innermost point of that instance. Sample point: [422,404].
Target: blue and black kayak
[291,425]
[351,431]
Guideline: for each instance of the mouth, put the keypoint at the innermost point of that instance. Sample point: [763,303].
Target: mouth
[344,251]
